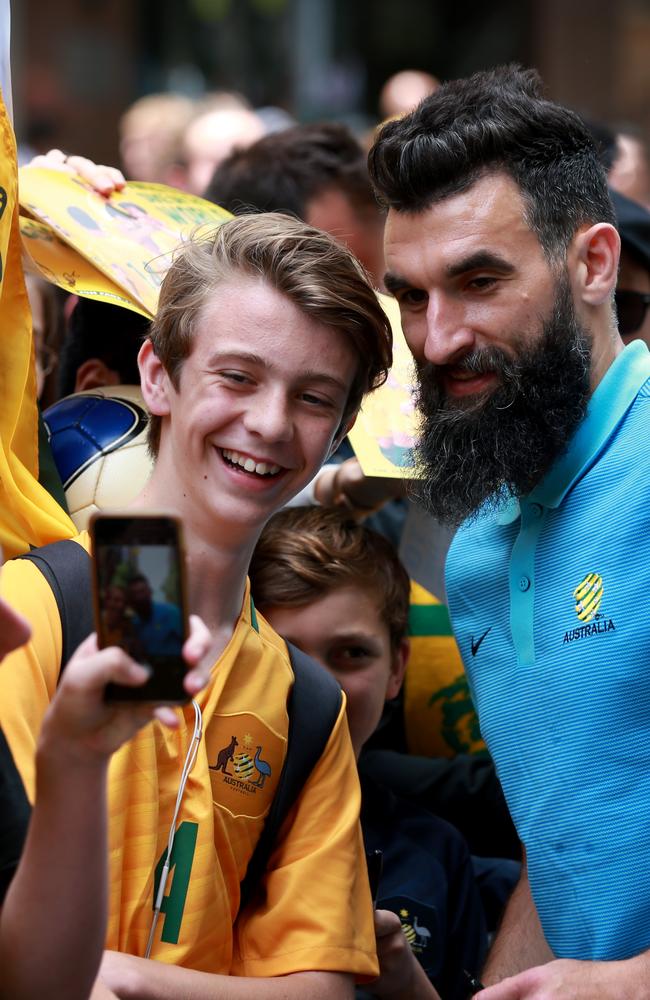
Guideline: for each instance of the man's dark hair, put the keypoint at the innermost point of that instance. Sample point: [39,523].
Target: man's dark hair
[605,141]
[281,172]
[495,121]
[105,331]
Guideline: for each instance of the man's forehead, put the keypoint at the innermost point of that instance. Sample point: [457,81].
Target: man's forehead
[493,204]
[490,216]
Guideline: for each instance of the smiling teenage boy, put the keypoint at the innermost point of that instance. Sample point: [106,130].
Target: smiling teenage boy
[267,336]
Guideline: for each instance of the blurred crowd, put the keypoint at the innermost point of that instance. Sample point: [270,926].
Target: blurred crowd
[220,148]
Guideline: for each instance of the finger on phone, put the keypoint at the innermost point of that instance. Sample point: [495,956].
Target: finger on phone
[198,642]
[121,669]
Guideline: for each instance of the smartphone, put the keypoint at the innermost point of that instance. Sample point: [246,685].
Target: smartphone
[140,600]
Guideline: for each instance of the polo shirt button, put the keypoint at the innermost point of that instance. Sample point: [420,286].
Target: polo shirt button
[524,584]
[536,508]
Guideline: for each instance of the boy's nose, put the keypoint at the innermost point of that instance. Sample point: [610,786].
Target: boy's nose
[269,417]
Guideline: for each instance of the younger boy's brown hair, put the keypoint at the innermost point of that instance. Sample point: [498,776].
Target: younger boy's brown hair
[304,553]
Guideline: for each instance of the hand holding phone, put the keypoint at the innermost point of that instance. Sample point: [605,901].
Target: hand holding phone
[140,601]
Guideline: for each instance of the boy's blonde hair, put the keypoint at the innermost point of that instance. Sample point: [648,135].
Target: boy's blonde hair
[321,277]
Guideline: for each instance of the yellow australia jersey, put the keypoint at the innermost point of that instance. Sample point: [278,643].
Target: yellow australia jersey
[314,912]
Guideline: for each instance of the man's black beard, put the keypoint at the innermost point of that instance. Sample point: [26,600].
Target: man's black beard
[504,444]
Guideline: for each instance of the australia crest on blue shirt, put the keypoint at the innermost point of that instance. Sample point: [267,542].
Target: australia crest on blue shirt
[421,926]
[588,597]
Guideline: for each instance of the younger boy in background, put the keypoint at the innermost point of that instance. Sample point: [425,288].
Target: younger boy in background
[338,591]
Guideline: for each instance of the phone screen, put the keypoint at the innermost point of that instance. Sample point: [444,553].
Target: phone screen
[139,600]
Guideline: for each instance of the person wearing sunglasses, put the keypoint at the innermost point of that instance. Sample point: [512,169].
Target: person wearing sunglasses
[633,288]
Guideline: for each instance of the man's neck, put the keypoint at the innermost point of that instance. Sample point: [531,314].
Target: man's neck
[606,346]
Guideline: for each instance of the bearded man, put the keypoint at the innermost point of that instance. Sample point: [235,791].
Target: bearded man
[502,251]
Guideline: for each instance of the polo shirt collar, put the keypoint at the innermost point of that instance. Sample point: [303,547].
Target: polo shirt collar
[612,398]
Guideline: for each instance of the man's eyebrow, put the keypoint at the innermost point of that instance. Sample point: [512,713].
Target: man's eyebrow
[477,261]
[395,283]
[487,259]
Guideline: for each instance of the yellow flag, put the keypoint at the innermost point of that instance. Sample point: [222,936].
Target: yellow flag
[28,514]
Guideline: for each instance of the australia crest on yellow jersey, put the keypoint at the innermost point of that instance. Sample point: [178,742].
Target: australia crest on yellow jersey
[245,758]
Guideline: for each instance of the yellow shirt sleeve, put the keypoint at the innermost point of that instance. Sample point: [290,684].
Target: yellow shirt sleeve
[29,675]
[316,913]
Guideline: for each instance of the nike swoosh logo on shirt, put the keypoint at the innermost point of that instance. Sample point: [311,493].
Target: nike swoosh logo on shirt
[477,645]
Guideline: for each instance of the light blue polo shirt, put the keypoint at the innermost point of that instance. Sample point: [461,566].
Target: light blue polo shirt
[550,599]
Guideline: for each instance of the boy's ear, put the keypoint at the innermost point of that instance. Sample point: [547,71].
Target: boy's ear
[398,668]
[154,380]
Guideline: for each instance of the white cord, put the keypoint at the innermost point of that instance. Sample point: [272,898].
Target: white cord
[190,760]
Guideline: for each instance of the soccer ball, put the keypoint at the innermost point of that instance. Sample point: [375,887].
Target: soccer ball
[99,442]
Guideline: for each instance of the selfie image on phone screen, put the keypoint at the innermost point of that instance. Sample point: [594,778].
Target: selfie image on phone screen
[139,599]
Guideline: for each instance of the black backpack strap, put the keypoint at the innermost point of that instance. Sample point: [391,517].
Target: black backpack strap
[66,567]
[314,706]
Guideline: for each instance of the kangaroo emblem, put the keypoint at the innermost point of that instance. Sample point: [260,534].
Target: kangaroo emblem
[225,754]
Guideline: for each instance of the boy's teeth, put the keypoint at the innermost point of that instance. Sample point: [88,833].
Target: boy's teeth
[250,465]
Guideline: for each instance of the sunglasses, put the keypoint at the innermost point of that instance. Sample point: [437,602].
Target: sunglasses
[631,308]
